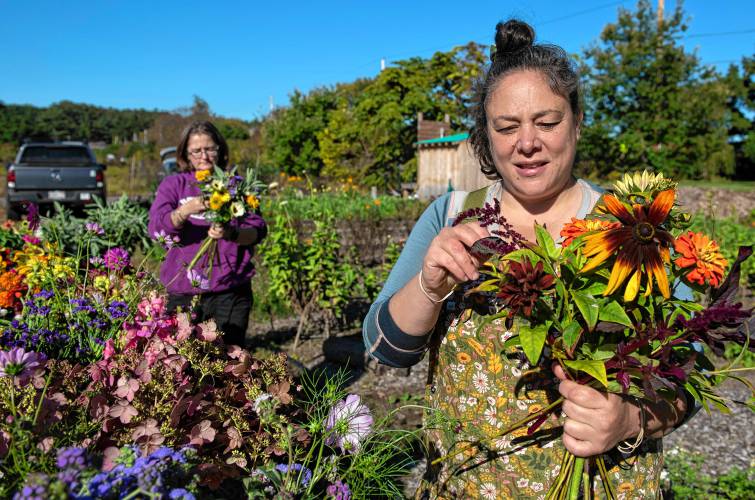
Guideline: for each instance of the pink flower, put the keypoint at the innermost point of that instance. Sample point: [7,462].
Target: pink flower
[109,349]
[19,364]
[116,259]
[348,423]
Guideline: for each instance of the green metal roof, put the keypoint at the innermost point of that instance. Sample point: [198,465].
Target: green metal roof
[448,138]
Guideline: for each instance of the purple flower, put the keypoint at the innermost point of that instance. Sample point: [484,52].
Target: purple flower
[30,239]
[73,457]
[304,474]
[32,215]
[44,294]
[116,259]
[96,261]
[181,494]
[197,279]
[94,228]
[339,491]
[348,423]
[166,240]
[18,363]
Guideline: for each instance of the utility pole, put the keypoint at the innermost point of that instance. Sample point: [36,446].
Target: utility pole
[660,14]
[382,64]
[272,106]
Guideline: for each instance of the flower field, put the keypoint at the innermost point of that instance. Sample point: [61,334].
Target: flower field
[105,395]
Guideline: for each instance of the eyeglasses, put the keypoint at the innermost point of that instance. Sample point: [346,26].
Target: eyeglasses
[197,153]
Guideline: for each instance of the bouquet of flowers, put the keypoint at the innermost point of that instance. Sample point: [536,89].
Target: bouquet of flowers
[228,196]
[606,306]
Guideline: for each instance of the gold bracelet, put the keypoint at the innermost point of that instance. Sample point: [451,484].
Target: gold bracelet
[626,447]
[422,287]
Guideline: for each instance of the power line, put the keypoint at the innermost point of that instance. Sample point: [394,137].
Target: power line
[721,33]
[586,11]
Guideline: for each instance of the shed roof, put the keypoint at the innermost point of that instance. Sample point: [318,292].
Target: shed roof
[448,139]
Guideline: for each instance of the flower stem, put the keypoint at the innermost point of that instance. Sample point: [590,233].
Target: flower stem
[576,476]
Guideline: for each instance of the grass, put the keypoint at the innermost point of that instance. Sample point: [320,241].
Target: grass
[741,186]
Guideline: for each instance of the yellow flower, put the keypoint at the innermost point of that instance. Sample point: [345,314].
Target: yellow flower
[102,283]
[625,487]
[253,202]
[494,362]
[377,202]
[463,357]
[217,200]
[640,245]
[201,175]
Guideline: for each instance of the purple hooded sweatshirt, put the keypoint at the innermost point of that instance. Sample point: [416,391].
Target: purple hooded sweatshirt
[235,266]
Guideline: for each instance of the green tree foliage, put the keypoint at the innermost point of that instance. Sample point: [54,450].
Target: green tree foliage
[289,134]
[652,105]
[68,120]
[372,138]
[741,103]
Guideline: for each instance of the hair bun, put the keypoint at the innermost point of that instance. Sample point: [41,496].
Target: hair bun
[512,36]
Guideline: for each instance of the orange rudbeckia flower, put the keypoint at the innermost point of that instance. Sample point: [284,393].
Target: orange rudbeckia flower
[578,227]
[702,254]
[641,246]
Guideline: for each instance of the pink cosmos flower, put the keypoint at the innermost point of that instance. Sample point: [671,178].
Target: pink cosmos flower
[348,423]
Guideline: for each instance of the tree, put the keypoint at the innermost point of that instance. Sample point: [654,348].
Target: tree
[289,134]
[652,105]
[741,104]
[371,135]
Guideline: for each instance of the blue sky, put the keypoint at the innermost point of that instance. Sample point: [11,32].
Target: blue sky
[238,54]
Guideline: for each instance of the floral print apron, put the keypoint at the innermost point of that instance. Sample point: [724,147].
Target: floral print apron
[475,389]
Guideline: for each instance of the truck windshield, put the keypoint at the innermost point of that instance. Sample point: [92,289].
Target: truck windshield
[46,154]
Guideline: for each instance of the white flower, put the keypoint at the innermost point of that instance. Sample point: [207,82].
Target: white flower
[536,486]
[272,185]
[478,366]
[237,209]
[506,335]
[480,381]
[515,371]
[349,422]
[501,444]
[490,416]
[472,401]
[259,400]
[521,405]
[488,490]
[523,482]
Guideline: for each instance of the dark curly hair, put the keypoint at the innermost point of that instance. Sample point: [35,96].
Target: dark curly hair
[515,51]
[201,128]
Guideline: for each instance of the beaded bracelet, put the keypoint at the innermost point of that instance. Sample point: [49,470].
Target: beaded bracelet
[626,447]
[422,287]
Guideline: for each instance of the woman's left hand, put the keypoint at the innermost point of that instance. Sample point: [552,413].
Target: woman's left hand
[216,231]
[595,421]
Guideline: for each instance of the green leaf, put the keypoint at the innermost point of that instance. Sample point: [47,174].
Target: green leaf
[512,341]
[532,340]
[614,313]
[545,241]
[596,369]
[571,334]
[588,306]
[521,254]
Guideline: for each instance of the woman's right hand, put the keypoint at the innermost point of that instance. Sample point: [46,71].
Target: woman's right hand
[448,261]
[193,205]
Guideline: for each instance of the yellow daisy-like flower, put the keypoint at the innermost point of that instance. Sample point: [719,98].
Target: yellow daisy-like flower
[201,175]
[253,202]
[217,200]
[642,185]
[640,245]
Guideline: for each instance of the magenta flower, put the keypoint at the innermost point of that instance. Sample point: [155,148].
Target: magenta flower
[18,364]
[348,423]
[116,259]
[30,239]
[94,228]
[32,215]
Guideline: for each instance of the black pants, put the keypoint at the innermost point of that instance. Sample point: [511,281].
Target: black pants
[230,309]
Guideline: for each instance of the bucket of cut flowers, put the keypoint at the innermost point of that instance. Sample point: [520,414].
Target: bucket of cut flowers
[612,308]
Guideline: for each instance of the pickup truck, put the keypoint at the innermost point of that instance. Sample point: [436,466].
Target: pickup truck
[43,173]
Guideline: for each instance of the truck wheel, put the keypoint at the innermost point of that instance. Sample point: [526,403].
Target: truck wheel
[13,212]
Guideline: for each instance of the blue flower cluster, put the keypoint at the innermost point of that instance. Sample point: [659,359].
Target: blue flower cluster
[305,475]
[38,331]
[165,473]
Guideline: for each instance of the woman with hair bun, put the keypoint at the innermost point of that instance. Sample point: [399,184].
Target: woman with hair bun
[525,133]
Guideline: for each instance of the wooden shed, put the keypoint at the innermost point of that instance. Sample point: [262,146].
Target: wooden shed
[446,163]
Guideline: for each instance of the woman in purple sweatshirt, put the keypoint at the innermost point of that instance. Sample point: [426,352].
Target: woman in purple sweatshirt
[178,211]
